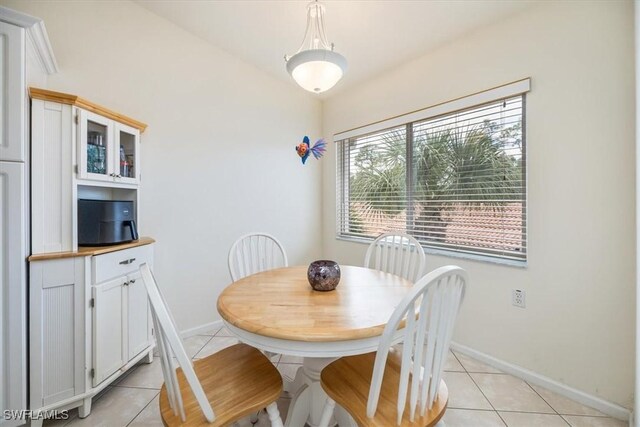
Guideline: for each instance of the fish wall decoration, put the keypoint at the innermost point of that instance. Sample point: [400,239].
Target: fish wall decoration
[304,148]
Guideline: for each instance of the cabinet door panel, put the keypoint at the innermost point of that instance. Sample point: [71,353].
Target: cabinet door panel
[137,316]
[52,184]
[108,329]
[12,101]
[127,164]
[12,287]
[95,147]
[58,342]
[57,339]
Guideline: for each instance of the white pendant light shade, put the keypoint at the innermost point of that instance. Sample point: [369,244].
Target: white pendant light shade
[316,67]
[317,70]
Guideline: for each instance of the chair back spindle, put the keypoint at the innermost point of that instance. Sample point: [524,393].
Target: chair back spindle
[253,253]
[398,254]
[170,345]
[428,316]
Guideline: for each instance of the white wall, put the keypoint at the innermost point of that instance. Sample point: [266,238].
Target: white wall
[578,324]
[218,155]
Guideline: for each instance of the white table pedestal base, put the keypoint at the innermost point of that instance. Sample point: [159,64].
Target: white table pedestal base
[308,398]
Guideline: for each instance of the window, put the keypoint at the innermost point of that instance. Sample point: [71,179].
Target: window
[454,181]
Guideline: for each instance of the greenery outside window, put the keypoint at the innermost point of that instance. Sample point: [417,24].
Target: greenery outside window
[455,181]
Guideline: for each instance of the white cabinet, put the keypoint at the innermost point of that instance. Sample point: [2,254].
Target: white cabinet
[89,314]
[78,150]
[12,287]
[121,327]
[12,74]
[13,225]
[108,150]
[13,349]
[89,323]
[57,322]
[24,49]
[138,322]
[108,328]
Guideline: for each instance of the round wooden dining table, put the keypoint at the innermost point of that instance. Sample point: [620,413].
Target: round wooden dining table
[278,311]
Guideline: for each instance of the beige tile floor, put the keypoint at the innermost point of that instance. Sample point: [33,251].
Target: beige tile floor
[479,395]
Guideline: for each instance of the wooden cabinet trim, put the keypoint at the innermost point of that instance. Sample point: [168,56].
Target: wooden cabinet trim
[91,250]
[66,98]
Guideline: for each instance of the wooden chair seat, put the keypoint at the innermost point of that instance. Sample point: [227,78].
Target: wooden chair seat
[237,381]
[347,381]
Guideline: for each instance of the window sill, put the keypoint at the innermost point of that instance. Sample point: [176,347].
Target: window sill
[449,254]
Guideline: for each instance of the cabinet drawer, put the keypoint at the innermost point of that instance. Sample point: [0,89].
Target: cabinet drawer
[121,263]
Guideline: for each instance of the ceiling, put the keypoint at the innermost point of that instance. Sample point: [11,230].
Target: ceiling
[374,36]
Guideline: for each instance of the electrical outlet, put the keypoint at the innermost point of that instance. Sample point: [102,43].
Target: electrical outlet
[518,298]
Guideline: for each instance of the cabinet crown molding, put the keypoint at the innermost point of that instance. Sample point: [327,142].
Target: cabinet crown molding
[38,36]
[65,98]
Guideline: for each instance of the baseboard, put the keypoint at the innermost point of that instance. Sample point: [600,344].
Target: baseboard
[200,329]
[601,405]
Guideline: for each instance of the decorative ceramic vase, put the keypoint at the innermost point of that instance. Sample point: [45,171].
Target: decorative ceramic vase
[323,275]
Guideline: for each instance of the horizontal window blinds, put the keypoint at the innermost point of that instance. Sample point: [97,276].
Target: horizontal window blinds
[456,182]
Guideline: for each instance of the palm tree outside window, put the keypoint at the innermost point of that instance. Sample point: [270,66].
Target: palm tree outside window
[456,182]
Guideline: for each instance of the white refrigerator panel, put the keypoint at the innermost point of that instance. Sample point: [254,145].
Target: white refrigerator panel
[13,265]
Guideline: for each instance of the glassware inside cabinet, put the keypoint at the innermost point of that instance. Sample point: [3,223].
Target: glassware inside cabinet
[127,154]
[97,154]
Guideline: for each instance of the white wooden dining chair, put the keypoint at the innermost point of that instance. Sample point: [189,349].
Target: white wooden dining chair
[236,381]
[255,252]
[388,377]
[398,254]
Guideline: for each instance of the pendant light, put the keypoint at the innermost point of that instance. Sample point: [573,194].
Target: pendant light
[316,67]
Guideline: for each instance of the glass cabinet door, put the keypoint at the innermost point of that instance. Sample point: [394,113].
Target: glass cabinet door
[95,152]
[126,153]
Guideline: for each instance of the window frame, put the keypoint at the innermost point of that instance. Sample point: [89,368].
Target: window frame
[343,165]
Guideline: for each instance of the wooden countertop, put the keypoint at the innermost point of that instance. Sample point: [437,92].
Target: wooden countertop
[281,304]
[92,250]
